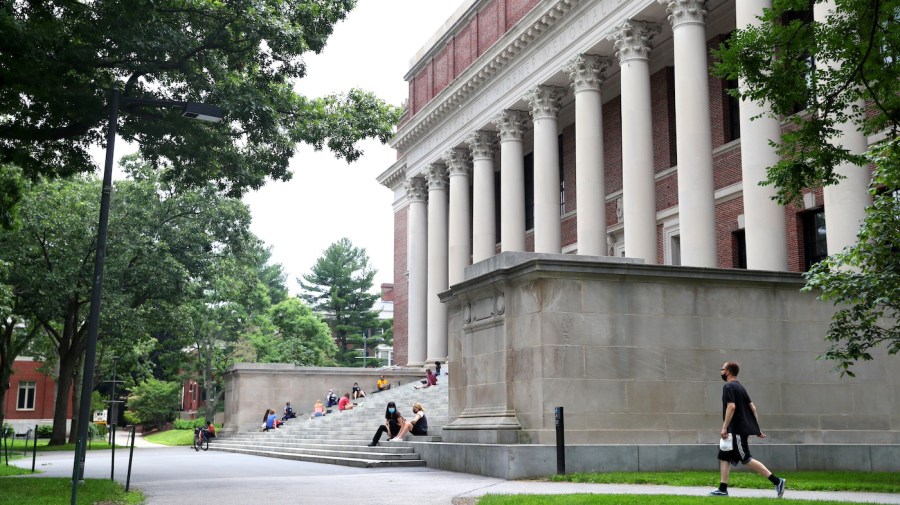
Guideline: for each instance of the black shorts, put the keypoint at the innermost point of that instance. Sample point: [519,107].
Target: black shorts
[740,450]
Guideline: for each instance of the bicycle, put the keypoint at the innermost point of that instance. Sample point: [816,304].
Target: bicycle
[200,440]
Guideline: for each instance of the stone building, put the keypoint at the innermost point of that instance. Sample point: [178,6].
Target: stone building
[574,191]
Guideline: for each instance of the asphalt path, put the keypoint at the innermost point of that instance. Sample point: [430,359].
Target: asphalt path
[180,475]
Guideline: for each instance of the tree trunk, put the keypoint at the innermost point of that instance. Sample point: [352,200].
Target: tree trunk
[76,400]
[61,405]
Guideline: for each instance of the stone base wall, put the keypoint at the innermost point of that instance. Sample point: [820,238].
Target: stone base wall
[251,388]
[533,461]
[633,352]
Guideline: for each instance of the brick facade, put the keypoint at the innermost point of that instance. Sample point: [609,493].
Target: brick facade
[26,370]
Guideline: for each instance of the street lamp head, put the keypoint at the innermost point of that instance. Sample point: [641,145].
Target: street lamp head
[203,112]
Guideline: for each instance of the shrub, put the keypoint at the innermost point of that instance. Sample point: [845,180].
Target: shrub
[97,430]
[131,417]
[189,424]
[7,430]
[45,431]
[155,401]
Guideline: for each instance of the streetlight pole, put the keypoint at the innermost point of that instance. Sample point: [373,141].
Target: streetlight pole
[192,110]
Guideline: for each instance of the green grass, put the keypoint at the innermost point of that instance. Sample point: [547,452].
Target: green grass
[19,445]
[618,499]
[875,482]
[58,491]
[6,471]
[172,437]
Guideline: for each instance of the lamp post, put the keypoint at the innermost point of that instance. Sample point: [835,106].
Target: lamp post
[192,110]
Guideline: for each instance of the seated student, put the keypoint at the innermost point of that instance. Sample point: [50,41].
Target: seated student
[272,421]
[430,380]
[318,409]
[208,432]
[288,412]
[357,393]
[418,426]
[383,384]
[437,368]
[344,403]
[265,420]
[331,399]
[393,423]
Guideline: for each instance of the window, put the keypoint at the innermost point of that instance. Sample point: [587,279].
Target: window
[529,191]
[739,249]
[671,243]
[26,395]
[562,177]
[815,247]
[732,113]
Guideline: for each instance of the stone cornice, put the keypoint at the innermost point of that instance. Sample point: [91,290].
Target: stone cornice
[634,39]
[437,177]
[545,101]
[393,176]
[458,161]
[512,124]
[416,189]
[526,32]
[483,144]
[587,71]
[682,12]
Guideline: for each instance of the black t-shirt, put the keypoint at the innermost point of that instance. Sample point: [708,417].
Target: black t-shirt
[743,422]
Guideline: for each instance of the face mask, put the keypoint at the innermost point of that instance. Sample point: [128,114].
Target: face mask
[392,410]
[724,377]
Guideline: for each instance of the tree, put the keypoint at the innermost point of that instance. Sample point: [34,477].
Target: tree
[58,59]
[338,288]
[845,69]
[300,336]
[158,241]
[155,402]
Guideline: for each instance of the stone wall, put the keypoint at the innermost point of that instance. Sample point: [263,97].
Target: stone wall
[633,352]
[251,388]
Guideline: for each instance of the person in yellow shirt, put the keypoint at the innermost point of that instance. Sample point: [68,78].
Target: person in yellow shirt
[383,384]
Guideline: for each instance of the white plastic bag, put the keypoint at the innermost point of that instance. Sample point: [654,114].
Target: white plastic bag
[726,443]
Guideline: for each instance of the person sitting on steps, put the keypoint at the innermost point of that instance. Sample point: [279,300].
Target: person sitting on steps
[344,403]
[288,412]
[393,423]
[383,384]
[418,426]
[430,380]
[357,393]
[318,409]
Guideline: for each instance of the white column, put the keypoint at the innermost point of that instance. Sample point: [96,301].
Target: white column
[484,227]
[586,72]
[764,221]
[633,44]
[696,191]
[846,201]
[460,235]
[417,267]
[512,179]
[545,105]
[437,262]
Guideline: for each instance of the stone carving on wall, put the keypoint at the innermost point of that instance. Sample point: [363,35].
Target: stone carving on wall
[512,124]
[483,144]
[634,40]
[685,11]
[416,189]
[545,101]
[437,176]
[587,71]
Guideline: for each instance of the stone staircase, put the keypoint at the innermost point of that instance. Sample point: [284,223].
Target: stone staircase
[342,438]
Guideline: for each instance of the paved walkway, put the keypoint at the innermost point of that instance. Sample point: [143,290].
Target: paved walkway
[175,475]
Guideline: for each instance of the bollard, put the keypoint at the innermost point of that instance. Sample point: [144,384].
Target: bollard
[34,449]
[130,457]
[5,448]
[112,447]
[560,441]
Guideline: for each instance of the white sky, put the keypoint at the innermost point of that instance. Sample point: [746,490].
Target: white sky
[327,199]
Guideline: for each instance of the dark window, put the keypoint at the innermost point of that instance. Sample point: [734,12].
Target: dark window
[815,247]
[805,16]
[732,113]
[562,176]
[496,206]
[529,191]
[26,396]
[739,249]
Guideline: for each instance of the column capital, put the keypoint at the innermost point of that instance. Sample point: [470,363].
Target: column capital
[545,100]
[437,177]
[512,124]
[682,12]
[587,71]
[482,143]
[458,161]
[633,40]
[416,190]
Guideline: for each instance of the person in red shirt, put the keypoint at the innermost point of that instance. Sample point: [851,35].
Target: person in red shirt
[344,403]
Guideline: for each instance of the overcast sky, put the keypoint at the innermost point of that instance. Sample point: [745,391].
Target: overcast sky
[328,199]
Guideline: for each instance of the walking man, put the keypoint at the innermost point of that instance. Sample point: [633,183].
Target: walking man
[740,421]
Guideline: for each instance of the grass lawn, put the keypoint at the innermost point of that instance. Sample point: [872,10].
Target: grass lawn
[53,491]
[6,471]
[172,437]
[19,445]
[618,499]
[875,482]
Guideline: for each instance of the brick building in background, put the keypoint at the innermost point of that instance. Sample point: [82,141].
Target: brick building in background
[591,128]
[29,399]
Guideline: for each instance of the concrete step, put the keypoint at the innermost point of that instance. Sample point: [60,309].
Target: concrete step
[330,460]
